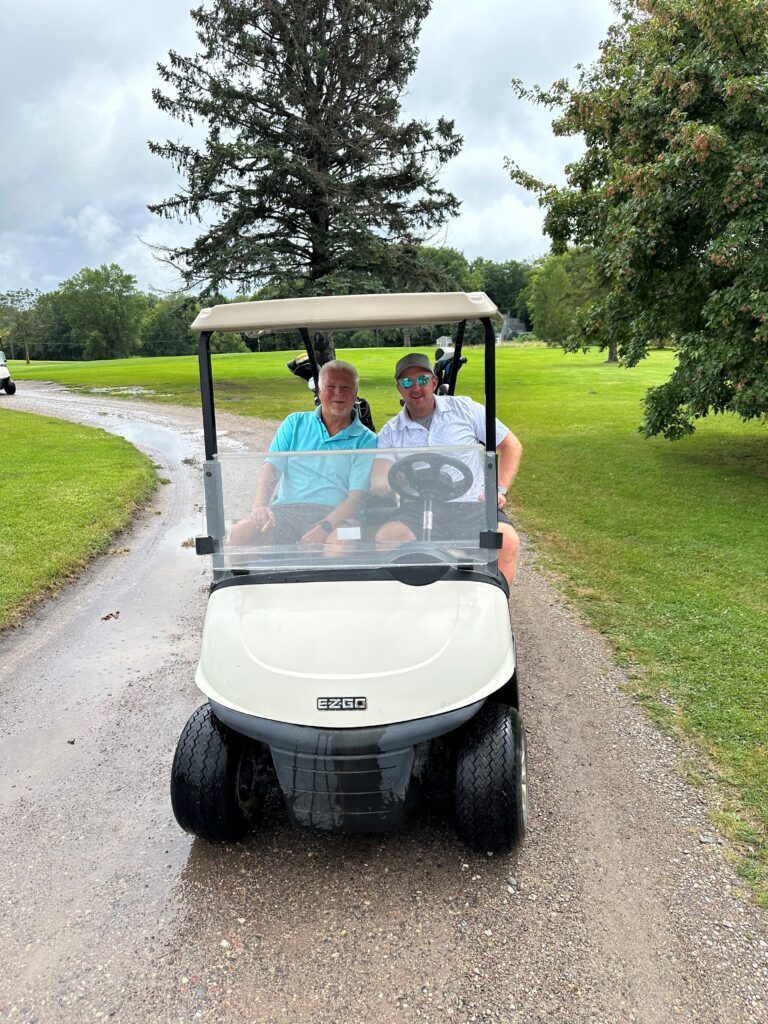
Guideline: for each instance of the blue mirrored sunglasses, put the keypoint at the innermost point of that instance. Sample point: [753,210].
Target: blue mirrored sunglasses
[407,382]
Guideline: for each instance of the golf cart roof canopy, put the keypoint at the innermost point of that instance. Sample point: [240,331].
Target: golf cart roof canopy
[342,312]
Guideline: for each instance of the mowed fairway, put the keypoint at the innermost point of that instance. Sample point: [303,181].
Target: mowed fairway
[66,491]
[663,545]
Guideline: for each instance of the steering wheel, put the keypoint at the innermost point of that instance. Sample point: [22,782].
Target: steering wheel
[427,476]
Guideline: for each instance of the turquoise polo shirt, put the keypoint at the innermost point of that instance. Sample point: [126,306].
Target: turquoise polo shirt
[314,479]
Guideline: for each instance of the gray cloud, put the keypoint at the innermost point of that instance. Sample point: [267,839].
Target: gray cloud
[76,80]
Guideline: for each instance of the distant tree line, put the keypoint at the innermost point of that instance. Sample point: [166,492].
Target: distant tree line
[101,314]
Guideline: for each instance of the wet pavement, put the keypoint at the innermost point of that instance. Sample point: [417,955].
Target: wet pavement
[620,906]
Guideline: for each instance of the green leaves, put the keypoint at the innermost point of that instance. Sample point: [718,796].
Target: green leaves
[672,191]
[307,172]
[103,310]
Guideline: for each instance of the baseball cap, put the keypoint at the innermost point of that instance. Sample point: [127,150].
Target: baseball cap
[413,359]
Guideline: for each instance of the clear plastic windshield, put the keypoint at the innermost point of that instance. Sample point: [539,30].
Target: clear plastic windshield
[361,508]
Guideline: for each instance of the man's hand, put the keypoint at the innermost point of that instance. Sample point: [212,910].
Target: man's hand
[262,517]
[317,535]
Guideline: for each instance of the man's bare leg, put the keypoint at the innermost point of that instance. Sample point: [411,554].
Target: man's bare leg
[391,535]
[508,554]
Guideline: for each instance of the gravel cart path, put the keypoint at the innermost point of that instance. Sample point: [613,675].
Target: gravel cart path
[619,908]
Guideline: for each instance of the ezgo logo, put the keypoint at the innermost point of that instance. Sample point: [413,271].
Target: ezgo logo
[342,703]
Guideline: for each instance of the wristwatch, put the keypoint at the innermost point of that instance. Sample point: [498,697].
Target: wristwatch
[502,491]
[325,525]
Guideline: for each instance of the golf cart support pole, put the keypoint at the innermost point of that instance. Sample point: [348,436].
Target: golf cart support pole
[490,385]
[456,356]
[490,417]
[206,394]
[312,357]
[214,501]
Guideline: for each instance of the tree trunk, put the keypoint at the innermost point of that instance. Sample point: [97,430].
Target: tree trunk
[613,355]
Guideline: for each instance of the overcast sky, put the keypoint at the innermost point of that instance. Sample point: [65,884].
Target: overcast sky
[76,113]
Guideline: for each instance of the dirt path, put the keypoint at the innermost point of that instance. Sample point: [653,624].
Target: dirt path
[618,908]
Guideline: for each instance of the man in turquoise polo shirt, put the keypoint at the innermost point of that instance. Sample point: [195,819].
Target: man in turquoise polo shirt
[315,495]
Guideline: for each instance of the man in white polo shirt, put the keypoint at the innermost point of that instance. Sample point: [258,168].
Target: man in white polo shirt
[429,420]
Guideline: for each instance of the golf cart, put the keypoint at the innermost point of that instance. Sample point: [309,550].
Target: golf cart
[355,676]
[6,384]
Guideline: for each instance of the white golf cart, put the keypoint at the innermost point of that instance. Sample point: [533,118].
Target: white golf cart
[354,675]
[6,384]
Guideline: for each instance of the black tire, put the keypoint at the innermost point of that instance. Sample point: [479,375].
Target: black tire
[10,387]
[215,790]
[491,785]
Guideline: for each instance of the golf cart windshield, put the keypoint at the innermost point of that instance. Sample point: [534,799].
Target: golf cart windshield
[316,510]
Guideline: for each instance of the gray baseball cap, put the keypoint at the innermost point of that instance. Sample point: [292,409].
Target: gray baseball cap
[413,359]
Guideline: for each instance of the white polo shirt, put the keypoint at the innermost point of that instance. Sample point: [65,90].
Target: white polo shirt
[457,420]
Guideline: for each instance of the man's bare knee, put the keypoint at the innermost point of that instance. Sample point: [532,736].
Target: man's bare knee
[394,533]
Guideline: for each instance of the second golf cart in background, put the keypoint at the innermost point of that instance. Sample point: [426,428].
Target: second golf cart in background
[355,678]
[6,384]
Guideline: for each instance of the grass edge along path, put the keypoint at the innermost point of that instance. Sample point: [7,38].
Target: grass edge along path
[661,545]
[67,491]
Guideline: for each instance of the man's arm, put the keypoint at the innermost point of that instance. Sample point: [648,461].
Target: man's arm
[265,485]
[380,476]
[261,514]
[510,452]
[270,474]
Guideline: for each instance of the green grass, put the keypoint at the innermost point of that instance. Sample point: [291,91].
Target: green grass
[66,491]
[248,384]
[664,546]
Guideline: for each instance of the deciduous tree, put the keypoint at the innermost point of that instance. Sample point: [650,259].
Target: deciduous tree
[561,285]
[165,327]
[16,309]
[672,190]
[503,282]
[104,310]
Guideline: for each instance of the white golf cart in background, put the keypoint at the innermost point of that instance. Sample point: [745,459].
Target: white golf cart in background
[355,677]
[6,384]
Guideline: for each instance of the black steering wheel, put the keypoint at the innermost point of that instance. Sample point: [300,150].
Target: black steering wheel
[427,476]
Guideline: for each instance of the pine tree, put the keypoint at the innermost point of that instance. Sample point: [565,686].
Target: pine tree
[307,180]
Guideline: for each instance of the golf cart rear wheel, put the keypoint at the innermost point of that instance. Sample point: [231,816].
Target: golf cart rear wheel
[10,387]
[491,786]
[215,788]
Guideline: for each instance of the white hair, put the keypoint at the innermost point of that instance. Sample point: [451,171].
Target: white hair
[339,364]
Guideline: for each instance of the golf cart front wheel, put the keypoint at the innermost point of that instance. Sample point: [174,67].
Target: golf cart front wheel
[491,784]
[216,792]
[10,387]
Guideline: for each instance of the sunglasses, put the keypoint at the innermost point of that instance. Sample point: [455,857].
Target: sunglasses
[422,380]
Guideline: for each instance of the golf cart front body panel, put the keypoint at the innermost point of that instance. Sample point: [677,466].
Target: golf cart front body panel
[358,654]
[352,780]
